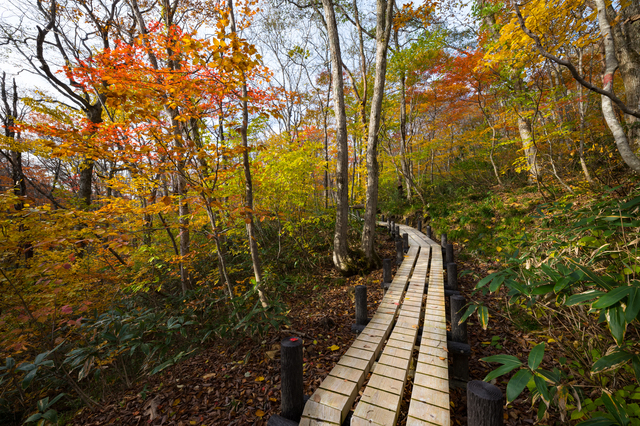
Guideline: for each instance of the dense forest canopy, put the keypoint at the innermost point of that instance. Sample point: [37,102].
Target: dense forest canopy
[186,153]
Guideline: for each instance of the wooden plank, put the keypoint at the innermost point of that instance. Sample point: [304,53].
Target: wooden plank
[347,373]
[386,383]
[366,414]
[431,382]
[319,411]
[382,399]
[430,413]
[305,421]
[341,386]
[358,364]
[400,344]
[430,396]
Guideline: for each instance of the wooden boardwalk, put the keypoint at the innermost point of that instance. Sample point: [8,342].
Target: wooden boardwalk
[385,348]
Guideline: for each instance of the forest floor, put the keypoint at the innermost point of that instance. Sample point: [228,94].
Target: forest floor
[237,383]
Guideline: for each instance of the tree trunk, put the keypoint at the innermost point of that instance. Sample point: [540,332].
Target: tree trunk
[611,64]
[248,183]
[340,249]
[383,31]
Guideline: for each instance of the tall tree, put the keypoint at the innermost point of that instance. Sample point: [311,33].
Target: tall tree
[384,23]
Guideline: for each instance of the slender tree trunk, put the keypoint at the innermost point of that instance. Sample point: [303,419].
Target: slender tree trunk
[581,114]
[383,31]
[340,249]
[611,64]
[248,183]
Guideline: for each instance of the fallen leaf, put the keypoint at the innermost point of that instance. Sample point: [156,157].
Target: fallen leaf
[334,347]
[260,413]
[259,379]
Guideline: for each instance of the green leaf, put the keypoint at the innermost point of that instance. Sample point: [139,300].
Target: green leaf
[51,415]
[504,369]
[610,361]
[486,279]
[470,310]
[593,276]
[34,418]
[496,283]
[617,324]
[633,305]
[517,384]
[483,316]
[598,421]
[503,359]
[636,366]
[575,299]
[615,409]
[541,385]
[536,355]
[611,297]
[542,289]
[29,378]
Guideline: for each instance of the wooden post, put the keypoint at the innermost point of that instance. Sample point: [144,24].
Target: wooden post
[361,305]
[449,250]
[382,218]
[457,346]
[392,230]
[452,276]
[429,231]
[398,231]
[484,404]
[443,239]
[386,271]
[420,225]
[405,242]
[291,376]
[407,220]
[399,251]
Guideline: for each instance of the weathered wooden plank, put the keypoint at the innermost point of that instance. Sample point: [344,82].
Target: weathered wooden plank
[430,396]
[386,383]
[338,385]
[430,413]
[431,382]
[366,414]
[315,410]
[347,373]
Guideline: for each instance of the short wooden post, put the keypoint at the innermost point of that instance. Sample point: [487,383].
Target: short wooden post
[291,376]
[392,230]
[407,221]
[382,218]
[443,239]
[457,346]
[398,231]
[484,404]
[399,251]
[405,242]
[429,231]
[419,225]
[386,273]
[361,305]
[452,276]
[449,252]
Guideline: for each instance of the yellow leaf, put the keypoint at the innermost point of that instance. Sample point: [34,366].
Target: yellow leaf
[260,413]
[334,347]
[551,341]
[499,249]
[259,379]
[273,400]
